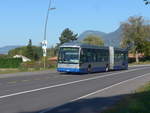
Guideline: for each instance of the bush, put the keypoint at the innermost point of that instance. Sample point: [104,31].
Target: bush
[10,62]
[131,60]
[143,59]
[36,65]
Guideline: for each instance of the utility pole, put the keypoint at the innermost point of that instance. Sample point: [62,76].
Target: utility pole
[44,42]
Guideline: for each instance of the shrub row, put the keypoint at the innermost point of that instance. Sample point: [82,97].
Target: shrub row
[38,64]
[10,62]
[147,58]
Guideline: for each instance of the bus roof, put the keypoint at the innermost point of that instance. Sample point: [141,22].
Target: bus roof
[83,45]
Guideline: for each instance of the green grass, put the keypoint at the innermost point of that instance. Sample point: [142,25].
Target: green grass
[138,102]
[140,63]
[16,70]
[7,70]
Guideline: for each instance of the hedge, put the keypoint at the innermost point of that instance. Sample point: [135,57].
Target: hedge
[10,62]
[143,59]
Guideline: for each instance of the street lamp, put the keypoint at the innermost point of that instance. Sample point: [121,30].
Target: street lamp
[146,2]
[44,42]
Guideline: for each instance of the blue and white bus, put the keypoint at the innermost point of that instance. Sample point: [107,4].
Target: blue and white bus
[84,58]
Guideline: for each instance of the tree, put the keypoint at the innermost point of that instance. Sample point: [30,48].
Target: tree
[146,2]
[66,36]
[37,52]
[93,40]
[17,51]
[135,34]
[147,48]
[29,50]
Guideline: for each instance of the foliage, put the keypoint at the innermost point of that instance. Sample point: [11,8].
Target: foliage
[10,62]
[134,103]
[29,50]
[37,64]
[146,2]
[9,70]
[136,33]
[37,52]
[17,51]
[66,36]
[93,40]
[32,52]
[4,56]
[147,48]
[51,52]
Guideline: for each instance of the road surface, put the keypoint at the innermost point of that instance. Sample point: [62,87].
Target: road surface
[52,92]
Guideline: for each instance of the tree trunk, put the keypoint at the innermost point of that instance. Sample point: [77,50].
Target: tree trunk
[137,57]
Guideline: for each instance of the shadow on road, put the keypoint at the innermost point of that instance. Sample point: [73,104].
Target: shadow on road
[93,105]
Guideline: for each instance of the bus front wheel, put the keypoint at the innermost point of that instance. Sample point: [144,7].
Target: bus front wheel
[89,69]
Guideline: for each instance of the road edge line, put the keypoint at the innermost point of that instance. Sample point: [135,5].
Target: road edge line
[68,83]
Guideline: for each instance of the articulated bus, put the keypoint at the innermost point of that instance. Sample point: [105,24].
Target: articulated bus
[84,58]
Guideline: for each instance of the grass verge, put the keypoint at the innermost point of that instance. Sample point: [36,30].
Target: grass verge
[16,70]
[140,63]
[9,70]
[138,102]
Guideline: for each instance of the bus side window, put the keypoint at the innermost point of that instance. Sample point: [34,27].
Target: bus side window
[83,56]
[98,55]
[90,55]
[116,56]
[94,55]
[102,53]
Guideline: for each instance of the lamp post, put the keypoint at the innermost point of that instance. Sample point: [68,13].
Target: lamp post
[147,2]
[44,42]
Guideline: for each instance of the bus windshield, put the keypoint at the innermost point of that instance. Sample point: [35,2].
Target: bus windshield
[68,55]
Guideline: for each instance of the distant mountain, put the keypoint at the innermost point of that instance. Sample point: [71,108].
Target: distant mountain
[110,39]
[5,49]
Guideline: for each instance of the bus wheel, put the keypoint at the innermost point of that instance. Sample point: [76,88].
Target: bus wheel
[89,69]
[106,69]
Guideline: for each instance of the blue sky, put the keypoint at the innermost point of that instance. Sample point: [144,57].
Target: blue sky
[21,20]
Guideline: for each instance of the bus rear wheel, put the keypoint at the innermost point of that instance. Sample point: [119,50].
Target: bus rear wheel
[106,69]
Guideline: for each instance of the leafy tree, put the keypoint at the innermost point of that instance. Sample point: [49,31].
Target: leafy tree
[4,56]
[135,35]
[52,51]
[17,51]
[147,48]
[66,36]
[146,2]
[32,52]
[38,52]
[93,40]
[29,51]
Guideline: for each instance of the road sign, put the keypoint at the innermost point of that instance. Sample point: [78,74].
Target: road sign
[44,47]
[44,44]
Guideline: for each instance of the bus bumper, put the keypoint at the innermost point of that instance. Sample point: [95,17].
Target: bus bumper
[72,70]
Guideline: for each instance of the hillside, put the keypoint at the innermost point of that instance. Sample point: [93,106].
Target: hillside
[111,39]
[5,49]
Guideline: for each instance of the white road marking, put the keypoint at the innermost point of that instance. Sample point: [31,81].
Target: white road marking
[12,82]
[25,80]
[66,76]
[101,90]
[64,84]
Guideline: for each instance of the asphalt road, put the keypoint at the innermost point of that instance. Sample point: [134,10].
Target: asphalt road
[53,92]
